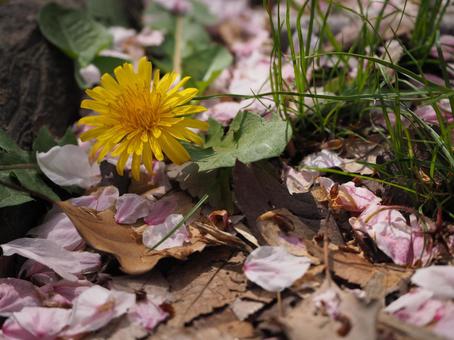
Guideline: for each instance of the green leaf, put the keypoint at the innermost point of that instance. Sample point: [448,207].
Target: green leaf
[31,180]
[10,197]
[108,12]
[75,32]
[205,65]
[45,141]
[249,139]
[215,183]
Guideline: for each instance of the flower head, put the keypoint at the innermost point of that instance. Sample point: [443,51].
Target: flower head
[141,117]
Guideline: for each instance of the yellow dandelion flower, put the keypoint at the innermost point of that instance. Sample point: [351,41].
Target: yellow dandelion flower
[141,117]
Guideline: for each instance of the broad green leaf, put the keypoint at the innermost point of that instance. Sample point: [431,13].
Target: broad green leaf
[10,197]
[75,32]
[249,139]
[205,65]
[45,141]
[108,12]
[31,180]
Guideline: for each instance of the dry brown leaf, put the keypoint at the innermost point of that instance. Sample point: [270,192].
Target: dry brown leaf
[356,269]
[102,233]
[228,331]
[281,228]
[244,308]
[220,237]
[355,319]
[119,329]
[204,283]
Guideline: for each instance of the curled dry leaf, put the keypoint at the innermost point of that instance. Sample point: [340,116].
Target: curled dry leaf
[356,269]
[346,317]
[281,228]
[206,282]
[101,232]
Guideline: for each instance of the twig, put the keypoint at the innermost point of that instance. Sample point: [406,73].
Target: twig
[18,166]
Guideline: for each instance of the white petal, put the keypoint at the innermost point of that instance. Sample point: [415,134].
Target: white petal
[36,323]
[155,233]
[437,279]
[68,165]
[57,227]
[65,263]
[96,307]
[16,294]
[131,207]
[147,314]
[273,268]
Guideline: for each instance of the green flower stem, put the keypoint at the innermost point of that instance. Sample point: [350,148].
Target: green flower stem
[178,42]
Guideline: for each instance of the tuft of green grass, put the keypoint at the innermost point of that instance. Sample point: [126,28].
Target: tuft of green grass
[329,102]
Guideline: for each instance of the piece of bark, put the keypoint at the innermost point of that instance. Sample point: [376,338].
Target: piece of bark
[37,85]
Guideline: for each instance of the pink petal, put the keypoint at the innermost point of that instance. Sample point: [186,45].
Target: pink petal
[147,37]
[57,227]
[159,211]
[323,159]
[147,314]
[155,233]
[273,268]
[68,165]
[65,263]
[100,200]
[444,326]
[298,181]
[131,207]
[36,323]
[96,307]
[329,301]
[350,197]
[416,307]
[90,74]
[37,272]
[222,112]
[437,279]
[16,294]
[63,292]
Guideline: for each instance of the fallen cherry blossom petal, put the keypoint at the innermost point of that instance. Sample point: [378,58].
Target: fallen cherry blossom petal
[131,207]
[57,227]
[222,112]
[273,268]
[90,74]
[96,307]
[68,165]
[36,323]
[437,279]
[298,181]
[329,301]
[444,326]
[65,263]
[147,314]
[348,196]
[100,200]
[403,243]
[155,233]
[148,37]
[63,292]
[323,159]
[16,294]
[38,273]
[159,211]
[416,307]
